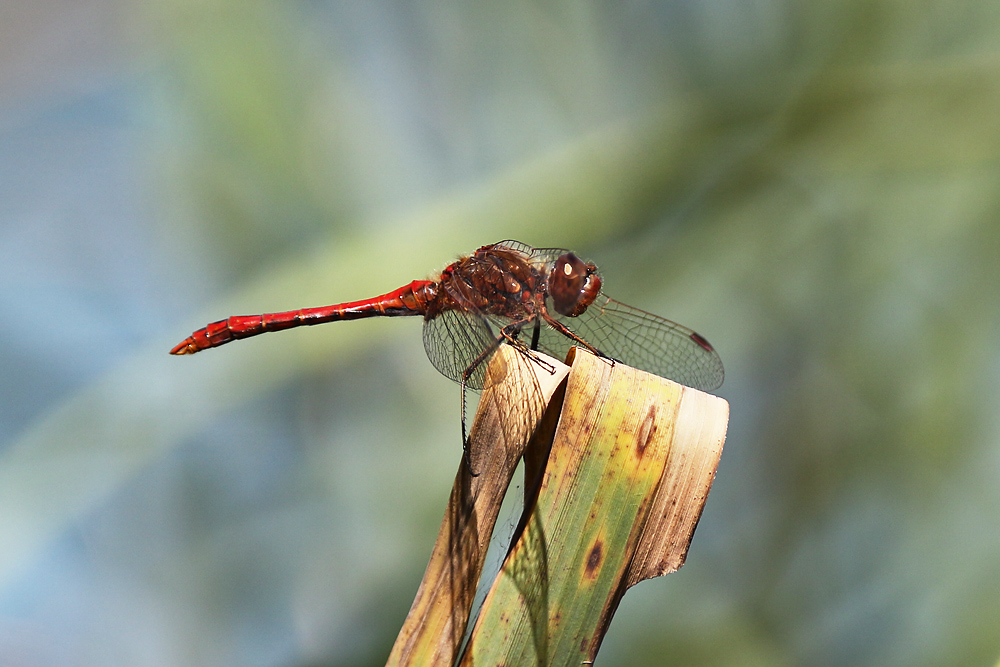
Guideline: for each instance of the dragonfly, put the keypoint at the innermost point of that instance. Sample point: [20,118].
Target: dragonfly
[536,299]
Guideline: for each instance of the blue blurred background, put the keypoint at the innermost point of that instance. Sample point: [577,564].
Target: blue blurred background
[814,186]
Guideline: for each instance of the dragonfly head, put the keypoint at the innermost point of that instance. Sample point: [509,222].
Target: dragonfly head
[573,285]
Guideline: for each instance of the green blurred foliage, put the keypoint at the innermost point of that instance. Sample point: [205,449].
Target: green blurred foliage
[813,186]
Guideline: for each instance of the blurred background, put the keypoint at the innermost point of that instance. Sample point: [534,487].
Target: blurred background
[814,186]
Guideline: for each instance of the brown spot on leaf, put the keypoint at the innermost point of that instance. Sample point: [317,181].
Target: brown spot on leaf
[595,558]
[647,431]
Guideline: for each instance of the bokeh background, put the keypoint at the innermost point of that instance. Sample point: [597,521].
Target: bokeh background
[814,186]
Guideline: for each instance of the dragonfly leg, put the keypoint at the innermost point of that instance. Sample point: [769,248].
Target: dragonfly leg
[536,332]
[511,332]
[509,335]
[466,374]
[565,331]
[465,437]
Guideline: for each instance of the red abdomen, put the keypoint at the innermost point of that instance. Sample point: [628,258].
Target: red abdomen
[409,300]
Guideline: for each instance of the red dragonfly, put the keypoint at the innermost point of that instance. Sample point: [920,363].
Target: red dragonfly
[545,299]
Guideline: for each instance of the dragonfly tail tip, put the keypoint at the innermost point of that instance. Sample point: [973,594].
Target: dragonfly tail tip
[186,347]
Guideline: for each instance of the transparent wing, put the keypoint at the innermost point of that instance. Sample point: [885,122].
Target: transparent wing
[534,255]
[455,339]
[516,246]
[547,254]
[640,339]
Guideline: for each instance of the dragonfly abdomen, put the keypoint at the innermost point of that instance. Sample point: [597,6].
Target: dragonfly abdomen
[411,299]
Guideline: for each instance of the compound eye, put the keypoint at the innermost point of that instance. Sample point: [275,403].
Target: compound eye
[573,285]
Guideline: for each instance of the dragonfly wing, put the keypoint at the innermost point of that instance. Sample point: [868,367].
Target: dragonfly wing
[516,246]
[645,341]
[538,256]
[455,339]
